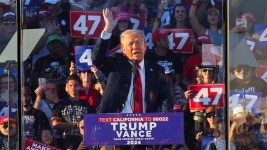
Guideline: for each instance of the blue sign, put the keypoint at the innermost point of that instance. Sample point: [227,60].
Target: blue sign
[206,141]
[261,31]
[133,129]
[148,39]
[166,16]
[252,100]
[83,59]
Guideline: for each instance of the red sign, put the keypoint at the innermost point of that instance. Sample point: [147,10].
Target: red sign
[206,95]
[86,22]
[136,21]
[30,144]
[180,40]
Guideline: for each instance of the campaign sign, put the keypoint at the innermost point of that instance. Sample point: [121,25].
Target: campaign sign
[166,16]
[180,40]
[86,22]
[262,72]
[134,129]
[261,31]
[252,100]
[83,59]
[206,141]
[206,95]
[30,145]
[252,42]
[148,39]
[136,21]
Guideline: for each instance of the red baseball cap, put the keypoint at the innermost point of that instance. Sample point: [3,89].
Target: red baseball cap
[123,16]
[4,119]
[213,8]
[247,16]
[203,39]
[160,34]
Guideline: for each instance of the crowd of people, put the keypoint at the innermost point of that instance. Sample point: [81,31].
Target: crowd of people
[121,57]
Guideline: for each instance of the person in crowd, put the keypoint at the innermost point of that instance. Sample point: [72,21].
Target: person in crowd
[206,74]
[33,119]
[164,57]
[246,29]
[7,28]
[46,98]
[246,80]
[51,26]
[210,124]
[82,146]
[213,18]
[8,80]
[93,85]
[135,7]
[69,112]
[55,65]
[178,19]
[46,137]
[241,129]
[189,73]
[10,131]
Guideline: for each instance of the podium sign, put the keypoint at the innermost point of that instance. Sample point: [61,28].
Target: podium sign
[133,129]
[30,145]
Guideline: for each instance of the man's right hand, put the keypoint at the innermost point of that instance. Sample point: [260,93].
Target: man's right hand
[39,92]
[110,21]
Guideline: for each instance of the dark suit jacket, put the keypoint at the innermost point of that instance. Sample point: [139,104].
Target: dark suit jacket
[119,72]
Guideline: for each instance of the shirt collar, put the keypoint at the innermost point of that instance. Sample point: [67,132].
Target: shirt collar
[141,64]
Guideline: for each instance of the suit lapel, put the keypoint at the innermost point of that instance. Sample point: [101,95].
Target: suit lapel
[148,72]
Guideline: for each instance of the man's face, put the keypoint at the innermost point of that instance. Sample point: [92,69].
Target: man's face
[4,84]
[72,88]
[242,72]
[163,43]
[134,47]
[9,26]
[55,47]
[26,98]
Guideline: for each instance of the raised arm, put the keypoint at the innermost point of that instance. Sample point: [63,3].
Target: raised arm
[99,52]
[157,21]
[197,27]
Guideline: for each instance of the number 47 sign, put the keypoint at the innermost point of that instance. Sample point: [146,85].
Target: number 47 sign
[86,22]
[206,95]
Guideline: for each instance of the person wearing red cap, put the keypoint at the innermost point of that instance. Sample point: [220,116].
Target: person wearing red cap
[189,73]
[8,131]
[213,18]
[164,57]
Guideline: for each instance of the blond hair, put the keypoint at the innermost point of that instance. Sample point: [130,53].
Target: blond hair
[124,35]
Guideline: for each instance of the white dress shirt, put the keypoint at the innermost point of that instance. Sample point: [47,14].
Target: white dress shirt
[128,106]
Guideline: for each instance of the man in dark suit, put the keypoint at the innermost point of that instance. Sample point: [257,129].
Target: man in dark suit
[118,95]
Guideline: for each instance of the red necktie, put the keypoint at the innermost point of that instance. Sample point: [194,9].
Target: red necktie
[138,101]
